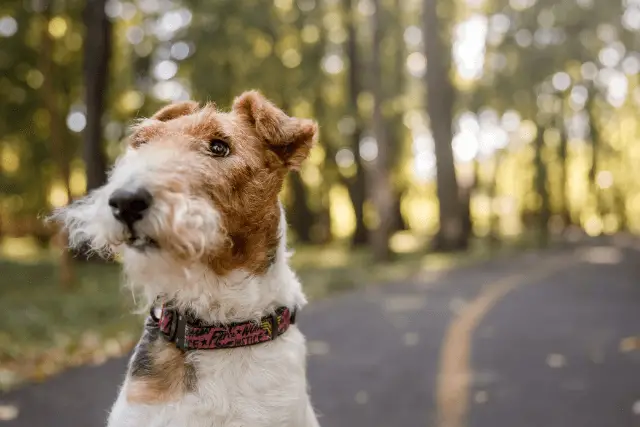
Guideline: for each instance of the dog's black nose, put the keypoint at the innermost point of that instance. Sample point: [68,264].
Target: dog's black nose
[128,206]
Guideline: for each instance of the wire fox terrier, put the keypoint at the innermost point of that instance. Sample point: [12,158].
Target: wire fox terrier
[192,208]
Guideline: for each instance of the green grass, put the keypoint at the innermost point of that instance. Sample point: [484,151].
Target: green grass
[35,309]
[45,328]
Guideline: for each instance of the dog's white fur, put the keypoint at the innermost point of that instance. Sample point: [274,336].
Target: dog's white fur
[258,386]
[190,224]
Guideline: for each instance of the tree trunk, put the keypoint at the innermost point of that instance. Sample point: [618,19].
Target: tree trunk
[492,191]
[465,205]
[396,143]
[541,188]
[2,185]
[382,194]
[323,219]
[301,216]
[398,222]
[57,137]
[440,102]
[97,51]
[564,166]
[621,209]
[357,186]
[595,145]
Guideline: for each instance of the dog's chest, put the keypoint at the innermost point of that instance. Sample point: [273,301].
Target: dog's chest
[258,386]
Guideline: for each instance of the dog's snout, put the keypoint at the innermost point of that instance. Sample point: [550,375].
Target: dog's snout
[128,205]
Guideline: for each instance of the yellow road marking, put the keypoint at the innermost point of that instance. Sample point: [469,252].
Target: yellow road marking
[455,373]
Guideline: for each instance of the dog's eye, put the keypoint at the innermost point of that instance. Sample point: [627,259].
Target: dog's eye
[219,148]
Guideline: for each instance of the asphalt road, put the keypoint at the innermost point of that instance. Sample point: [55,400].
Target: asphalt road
[538,340]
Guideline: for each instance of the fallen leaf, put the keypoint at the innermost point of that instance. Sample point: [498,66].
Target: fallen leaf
[410,339]
[8,412]
[629,344]
[362,397]
[556,360]
[481,397]
[317,348]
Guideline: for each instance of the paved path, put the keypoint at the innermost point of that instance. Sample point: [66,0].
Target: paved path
[531,341]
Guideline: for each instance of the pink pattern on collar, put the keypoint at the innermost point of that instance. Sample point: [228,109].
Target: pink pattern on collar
[210,337]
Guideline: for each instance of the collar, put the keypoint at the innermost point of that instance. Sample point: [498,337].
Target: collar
[189,333]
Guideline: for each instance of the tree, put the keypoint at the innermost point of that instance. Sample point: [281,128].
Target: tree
[596,147]
[380,186]
[563,155]
[440,103]
[396,88]
[97,51]
[56,129]
[540,185]
[358,184]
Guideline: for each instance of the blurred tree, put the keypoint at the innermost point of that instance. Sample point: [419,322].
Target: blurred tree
[440,102]
[596,142]
[538,50]
[304,219]
[380,187]
[540,185]
[301,216]
[312,57]
[563,156]
[56,129]
[396,99]
[312,88]
[357,185]
[51,101]
[97,51]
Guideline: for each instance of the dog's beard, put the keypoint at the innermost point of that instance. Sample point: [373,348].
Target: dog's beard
[90,224]
[187,227]
[179,223]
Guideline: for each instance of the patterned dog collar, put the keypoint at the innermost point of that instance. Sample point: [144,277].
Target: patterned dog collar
[190,334]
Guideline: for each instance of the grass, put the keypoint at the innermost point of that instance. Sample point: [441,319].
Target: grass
[45,328]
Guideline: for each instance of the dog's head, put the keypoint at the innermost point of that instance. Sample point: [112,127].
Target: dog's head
[197,184]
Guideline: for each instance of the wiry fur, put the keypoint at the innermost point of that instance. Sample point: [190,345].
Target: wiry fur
[187,223]
[221,254]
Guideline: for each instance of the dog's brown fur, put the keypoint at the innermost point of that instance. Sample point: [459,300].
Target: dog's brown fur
[265,143]
[159,372]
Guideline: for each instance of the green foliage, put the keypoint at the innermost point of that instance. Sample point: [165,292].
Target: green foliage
[295,51]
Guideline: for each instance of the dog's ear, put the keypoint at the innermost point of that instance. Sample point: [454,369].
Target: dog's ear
[290,138]
[175,110]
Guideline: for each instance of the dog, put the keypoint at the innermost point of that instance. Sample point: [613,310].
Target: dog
[192,210]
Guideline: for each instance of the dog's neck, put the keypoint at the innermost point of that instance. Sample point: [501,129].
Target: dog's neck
[237,296]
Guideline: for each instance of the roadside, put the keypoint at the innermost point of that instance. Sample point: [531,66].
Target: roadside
[45,329]
[551,342]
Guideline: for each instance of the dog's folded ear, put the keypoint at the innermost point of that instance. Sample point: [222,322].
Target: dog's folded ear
[291,138]
[175,110]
